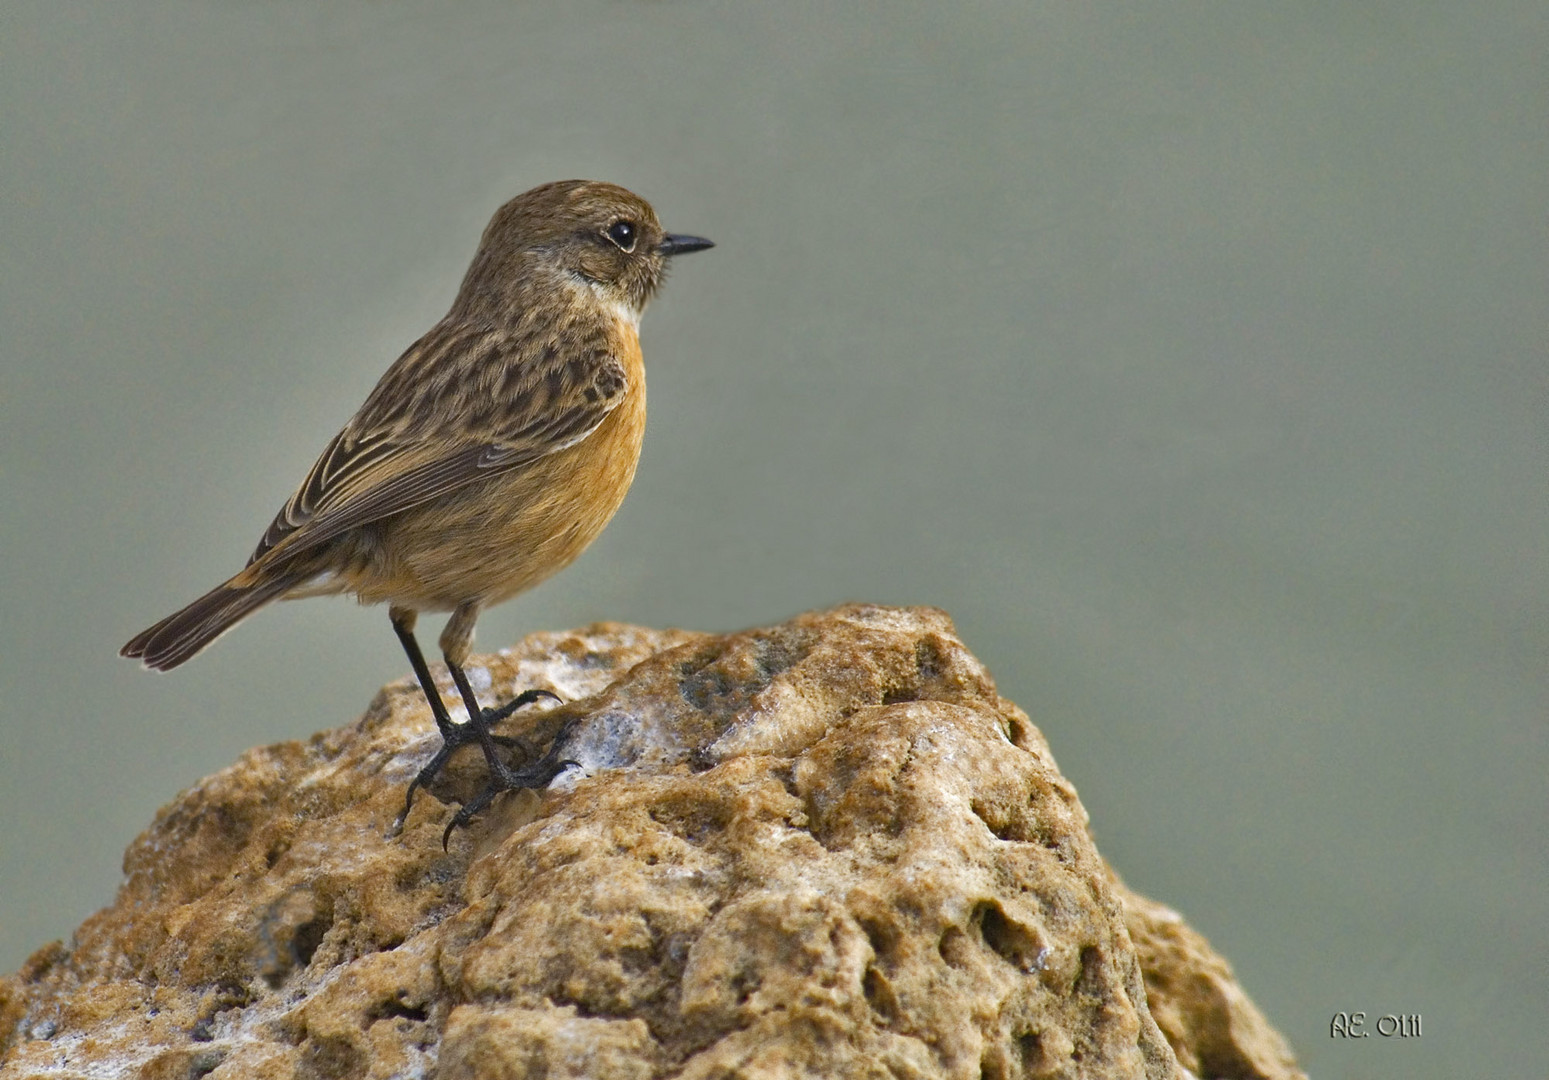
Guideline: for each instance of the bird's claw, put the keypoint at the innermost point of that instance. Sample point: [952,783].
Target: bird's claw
[457,735]
[537,775]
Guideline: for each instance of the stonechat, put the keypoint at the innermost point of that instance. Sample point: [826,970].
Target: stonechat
[487,458]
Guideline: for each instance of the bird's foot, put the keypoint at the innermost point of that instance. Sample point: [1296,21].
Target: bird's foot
[536,774]
[457,735]
[526,697]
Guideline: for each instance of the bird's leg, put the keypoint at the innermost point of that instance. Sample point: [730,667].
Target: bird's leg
[456,641]
[403,620]
[536,774]
[452,735]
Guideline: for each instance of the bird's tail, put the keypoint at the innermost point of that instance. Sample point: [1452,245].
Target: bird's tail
[183,633]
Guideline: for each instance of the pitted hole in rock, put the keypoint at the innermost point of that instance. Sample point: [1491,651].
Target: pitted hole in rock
[924,683]
[745,983]
[1012,942]
[309,935]
[883,939]
[397,1007]
[277,850]
[1089,980]
[954,947]
[929,658]
[289,932]
[878,991]
[204,1062]
[1003,825]
[1020,826]
[1020,734]
[229,993]
[1030,1050]
[786,774]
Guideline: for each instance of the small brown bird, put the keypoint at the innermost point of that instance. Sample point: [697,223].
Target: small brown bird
[486,459]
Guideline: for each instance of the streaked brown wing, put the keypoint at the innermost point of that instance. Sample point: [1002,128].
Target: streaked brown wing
[343,464]
[419,437]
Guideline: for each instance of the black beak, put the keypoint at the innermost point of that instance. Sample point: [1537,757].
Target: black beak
[682,245]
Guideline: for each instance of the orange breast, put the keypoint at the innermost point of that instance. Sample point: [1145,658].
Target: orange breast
[489,541]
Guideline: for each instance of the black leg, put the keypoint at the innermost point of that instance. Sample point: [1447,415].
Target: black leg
[451,736]
[404,628]
[538,774]
[454,735]
[501,776]
[487,718]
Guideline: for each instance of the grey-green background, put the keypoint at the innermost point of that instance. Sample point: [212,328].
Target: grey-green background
[1193,356]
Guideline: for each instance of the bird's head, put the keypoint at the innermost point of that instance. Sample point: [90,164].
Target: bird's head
[598,235]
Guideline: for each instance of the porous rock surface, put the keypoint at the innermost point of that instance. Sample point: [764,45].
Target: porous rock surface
[823,849]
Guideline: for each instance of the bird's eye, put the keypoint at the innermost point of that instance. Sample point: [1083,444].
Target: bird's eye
[622,233]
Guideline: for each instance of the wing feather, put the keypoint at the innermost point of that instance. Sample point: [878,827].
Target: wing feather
[509,400]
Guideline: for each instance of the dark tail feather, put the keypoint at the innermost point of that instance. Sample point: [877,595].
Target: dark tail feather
[183,633]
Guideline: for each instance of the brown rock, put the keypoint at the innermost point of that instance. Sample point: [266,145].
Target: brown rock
[1212,1026]
[826,848]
